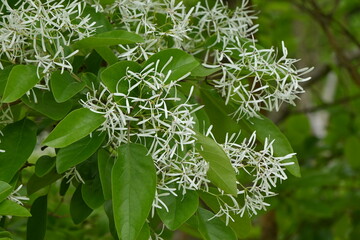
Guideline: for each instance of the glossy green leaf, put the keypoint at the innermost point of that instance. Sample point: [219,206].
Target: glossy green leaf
[144,232]
[18,140]
[78,152]
[105,165]
[213,229]
[64,186]
[201,71]
[5,190]
[133,187]
[11,208]
[36,225]
[221,172]
[265,128]
[181,208]
[110,38]
[64,86]
[79,211]
[44,165]
[21,79]
[36,183]
[4,74]
[113,75]
[92,192]
[181,63]
[352,151]
[73,127]
[46,104]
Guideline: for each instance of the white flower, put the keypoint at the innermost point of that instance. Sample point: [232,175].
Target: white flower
[16,197]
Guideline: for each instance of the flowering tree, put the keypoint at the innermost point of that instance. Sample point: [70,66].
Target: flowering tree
[152,109]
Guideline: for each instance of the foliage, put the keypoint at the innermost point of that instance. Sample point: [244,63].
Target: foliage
[137,107]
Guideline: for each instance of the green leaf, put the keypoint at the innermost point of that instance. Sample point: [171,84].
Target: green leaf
[113,75]
[110,38]
[5,190]
[46,104]
[265,128]
[21,79]
[213,229]
[36,225]
[91,80]
[92,192]
[108,207]
[4,74]
[201,71]
[44,165]
[78,152]
[18,140]
[105,165]
[133,189]
[181,208]
[11,208]
[36,183]
[79,211]
[241,225]
[64,86]
[144,233]
[352,151]
[107,54]
[64,186]
[181,64]
[221,172]
[73,127]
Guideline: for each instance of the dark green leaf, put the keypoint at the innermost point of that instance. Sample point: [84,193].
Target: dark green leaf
[133,189]
[181,208]
[221,173]
[144,233]
[92,192]
[5,190]
[181,63]
[105,165]
[91,80]
[36,225]
[110,38]
[44,165]
[73,127]
[46,104]
[18,140]
[64,86]
[108,207]
[213,229]
[79,211]
[107,54]
[21,79]
[64,186]
[78,152]
[11,208]
[352,151]
[36,183]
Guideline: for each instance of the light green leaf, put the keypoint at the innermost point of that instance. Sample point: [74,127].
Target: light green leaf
[265,128]
[36,225]
[79,211]
[11,208]
[201,71]
[64,86]
[110,38]
[133,189]
[5,190]
[213,229]
[44,165]
[78,152]
[181,208]
[46,104]
[113,75]
[105,165]
[4,74]
[73,127]
[221,172]
[21,79]
[181,63]
[18,140]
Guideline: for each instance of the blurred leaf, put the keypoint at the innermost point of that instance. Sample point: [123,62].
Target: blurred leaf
[221,172]
[78,152]
[64,86]
[133,189]
[18,140]
[73,127]
[144,233]
[5,190]
[92,192]
[21,79]
[79,211]
[10,208]
[44,165]
[352,151]
[105,164]
[181,208]
[36,183]
[213,229]
[36,225]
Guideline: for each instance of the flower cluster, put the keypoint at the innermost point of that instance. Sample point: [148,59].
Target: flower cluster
[40,32]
